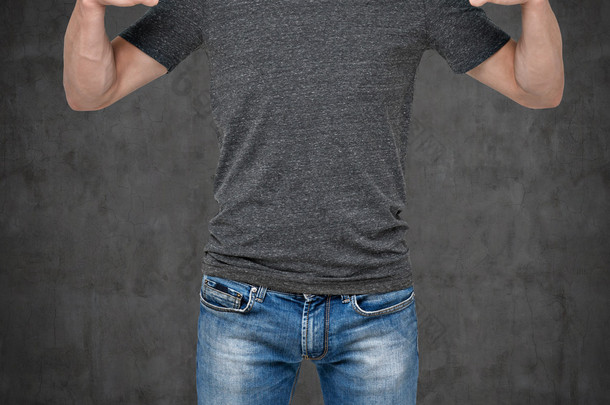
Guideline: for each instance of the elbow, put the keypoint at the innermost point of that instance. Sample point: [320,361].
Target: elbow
[555,95]
[549,99]
[543,102]
[555,100]
[558,95]
[76,105]
[73,104]
[77,102]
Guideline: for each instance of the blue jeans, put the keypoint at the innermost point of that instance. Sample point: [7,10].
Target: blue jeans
[252,340]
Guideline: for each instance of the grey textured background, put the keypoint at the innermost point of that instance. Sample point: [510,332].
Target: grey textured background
[104,217]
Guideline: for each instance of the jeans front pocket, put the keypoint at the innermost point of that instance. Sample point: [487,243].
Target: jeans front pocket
[382,303]
[226,295]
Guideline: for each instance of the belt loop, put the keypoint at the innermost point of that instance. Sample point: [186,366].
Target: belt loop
[344,298]
[260,294]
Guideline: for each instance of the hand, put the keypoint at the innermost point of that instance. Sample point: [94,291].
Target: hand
[101,4]
[479,3]
[128,3]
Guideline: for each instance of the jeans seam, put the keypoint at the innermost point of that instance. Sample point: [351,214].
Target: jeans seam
[224,309]
[393,308]
[305,335]
[326,331]
[236,299]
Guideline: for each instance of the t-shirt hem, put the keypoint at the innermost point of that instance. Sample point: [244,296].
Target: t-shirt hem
[135,41]
[399,278]
[502,39]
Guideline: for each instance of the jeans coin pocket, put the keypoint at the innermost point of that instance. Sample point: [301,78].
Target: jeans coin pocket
[226,295]
[382,303]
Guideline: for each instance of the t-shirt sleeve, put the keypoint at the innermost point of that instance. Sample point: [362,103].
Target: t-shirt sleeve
[462,33]
[167,32]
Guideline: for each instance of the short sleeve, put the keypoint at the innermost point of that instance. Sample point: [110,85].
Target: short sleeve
[462,33]
[168,32]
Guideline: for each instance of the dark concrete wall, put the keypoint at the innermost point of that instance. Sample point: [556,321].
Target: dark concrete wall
[103,219]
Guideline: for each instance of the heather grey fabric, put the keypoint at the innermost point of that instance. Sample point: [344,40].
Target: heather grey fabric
[312,101]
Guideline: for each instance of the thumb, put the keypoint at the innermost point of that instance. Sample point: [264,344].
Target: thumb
[478,3]
[150,3]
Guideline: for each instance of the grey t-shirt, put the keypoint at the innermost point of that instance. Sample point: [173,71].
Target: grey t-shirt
[312,100]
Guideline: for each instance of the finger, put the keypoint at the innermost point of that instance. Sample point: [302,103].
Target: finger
[479,3]
[128,3]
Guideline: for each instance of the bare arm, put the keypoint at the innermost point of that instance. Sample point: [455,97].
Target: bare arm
[529,71]
[98,72]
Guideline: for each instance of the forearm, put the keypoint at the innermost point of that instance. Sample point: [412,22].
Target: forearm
[89,66]
[538,56]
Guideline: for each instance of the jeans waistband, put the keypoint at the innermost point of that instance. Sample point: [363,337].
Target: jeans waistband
[261,291]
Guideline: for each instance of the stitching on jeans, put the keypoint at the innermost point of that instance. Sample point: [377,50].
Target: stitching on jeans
[260,294]
[224,309]
[306,355]
[216,290]
[326,331]
[393,308]
[229,280]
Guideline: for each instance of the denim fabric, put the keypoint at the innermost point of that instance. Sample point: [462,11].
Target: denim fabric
[252,340]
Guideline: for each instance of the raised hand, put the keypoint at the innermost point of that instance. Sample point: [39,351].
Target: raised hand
[118,3]
[529,71]
[479,3]
[97,72]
